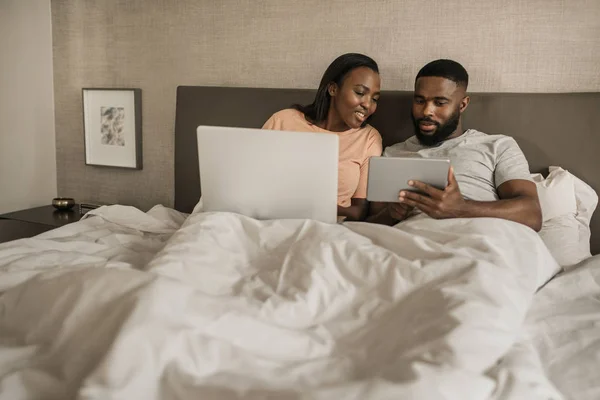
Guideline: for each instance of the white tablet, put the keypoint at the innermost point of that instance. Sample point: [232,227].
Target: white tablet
[389,175]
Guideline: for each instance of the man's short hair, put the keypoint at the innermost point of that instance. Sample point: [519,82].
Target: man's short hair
[448,69]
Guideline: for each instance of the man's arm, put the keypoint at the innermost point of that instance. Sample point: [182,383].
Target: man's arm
[518,202]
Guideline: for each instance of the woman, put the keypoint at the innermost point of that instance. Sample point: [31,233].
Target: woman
[346,98]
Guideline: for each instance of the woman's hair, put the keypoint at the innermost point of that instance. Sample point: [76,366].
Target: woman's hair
[336,72]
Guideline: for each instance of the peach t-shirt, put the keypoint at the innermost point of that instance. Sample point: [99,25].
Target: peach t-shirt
[356,146]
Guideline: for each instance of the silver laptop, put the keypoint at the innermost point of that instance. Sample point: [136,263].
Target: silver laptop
[266,174]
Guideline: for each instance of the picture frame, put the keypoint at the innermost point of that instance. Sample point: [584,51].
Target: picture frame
[112,121]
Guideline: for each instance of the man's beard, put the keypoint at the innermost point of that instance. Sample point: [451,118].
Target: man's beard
[441,133]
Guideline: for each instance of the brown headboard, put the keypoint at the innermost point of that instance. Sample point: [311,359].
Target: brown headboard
[552,129]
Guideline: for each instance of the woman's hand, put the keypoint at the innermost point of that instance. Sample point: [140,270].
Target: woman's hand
[399,211]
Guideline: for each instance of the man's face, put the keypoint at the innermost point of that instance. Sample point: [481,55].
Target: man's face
[437,106]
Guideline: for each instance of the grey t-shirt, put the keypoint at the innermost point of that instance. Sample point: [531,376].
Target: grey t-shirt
[481,162]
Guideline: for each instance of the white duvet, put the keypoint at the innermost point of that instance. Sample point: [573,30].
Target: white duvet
[564,322]
[235,308]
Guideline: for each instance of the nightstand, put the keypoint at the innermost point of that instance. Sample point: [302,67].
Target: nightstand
[33,221]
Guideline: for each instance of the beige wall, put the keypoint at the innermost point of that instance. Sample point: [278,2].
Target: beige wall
[156,45]
[27,141]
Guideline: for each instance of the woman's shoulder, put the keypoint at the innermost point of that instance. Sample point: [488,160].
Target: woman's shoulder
[289,114]
[374,141]
[372,132]
[288,119]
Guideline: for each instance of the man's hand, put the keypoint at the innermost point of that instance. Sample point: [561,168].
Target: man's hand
[438,204]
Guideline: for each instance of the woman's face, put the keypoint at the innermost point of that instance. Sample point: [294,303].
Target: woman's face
[356,99]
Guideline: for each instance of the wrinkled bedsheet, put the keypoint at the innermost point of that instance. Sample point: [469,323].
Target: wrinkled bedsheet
[132,305]
[563,323]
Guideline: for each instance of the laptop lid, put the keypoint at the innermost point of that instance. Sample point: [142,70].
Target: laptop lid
[266,174]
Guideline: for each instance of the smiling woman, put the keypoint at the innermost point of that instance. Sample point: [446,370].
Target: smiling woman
[347,96]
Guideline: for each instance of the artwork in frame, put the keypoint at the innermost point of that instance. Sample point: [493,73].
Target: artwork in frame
[112,121]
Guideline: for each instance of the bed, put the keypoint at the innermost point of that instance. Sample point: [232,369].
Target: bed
[177,303]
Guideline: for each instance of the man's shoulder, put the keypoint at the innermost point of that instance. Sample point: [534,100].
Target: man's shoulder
[410,145]
[486,137]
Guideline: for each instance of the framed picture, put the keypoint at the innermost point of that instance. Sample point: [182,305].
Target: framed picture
[112,121]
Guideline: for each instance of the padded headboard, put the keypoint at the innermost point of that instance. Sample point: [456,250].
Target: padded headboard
[552,129]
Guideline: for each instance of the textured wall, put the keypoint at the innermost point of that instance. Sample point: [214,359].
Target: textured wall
[156,45]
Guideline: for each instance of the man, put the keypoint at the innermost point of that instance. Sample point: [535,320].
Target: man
[489,176]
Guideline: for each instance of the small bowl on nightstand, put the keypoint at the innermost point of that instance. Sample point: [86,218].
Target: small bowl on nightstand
[63,203]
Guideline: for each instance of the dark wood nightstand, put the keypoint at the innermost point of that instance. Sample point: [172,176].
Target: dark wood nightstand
[33,221]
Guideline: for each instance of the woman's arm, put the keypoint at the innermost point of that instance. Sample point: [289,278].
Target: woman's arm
[387,213]
[357,210]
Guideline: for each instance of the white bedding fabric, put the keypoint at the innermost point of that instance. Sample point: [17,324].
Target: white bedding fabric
[568,204]
[236,308]
[564,324]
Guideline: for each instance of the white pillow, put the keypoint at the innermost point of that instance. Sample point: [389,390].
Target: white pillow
[567,207]
[556,193]
[562,237]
